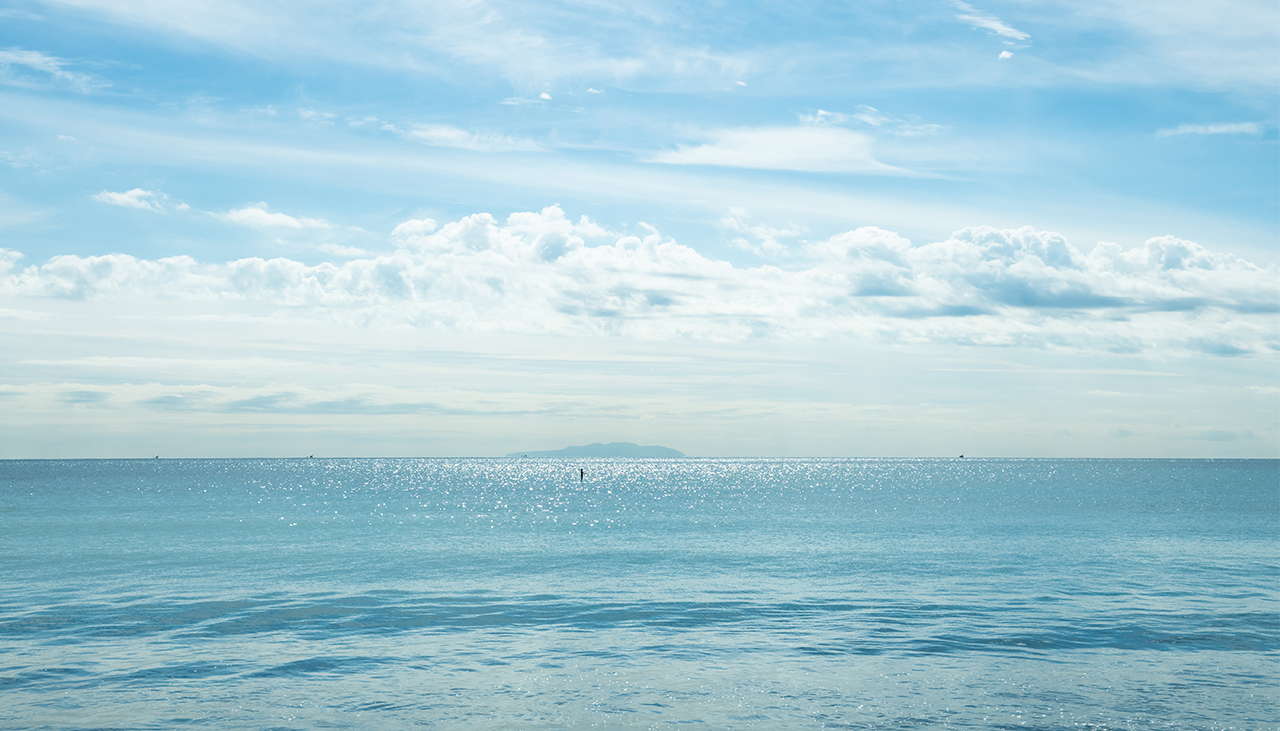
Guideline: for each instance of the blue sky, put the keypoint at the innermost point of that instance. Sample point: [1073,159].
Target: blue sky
[776,229]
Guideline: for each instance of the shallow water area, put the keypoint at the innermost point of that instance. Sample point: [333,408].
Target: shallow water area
[452,593]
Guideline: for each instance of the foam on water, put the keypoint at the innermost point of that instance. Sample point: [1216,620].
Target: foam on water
[726,593]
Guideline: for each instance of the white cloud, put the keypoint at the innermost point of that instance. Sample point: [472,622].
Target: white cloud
[147,200]
[136,198]
[594,91]
[441,135]
[812,148]
[259,217]
[51,65]
[912,126]
[1228,44]
[1238,128]
[346,252]
[413,227]
[1006,54]
[544,96]
[8,258]
[316,116]
[757,238]
[979,19]
[542,273]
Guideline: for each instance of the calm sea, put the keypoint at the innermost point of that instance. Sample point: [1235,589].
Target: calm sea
[722,594]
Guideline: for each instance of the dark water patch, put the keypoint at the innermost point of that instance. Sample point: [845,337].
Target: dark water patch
[383,706]
[192,671]
[41,677]
[322,665]
[873,626]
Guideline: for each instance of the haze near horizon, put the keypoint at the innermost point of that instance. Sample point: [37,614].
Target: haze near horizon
[810,229]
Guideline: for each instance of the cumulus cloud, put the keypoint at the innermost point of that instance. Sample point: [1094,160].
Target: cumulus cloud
[414,227]
[259,217]
[810,147]
[1238,128]
[8,258]
[545,273]
[1006,55]
[758,238]
[147,200]
[440,135]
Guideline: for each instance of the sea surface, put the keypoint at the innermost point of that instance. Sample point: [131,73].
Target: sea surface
[655,593]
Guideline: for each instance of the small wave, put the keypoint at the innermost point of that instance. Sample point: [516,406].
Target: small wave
[865,626]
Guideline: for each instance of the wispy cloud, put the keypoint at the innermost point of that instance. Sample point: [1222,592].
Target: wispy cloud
[440,135]
[147,200]
[315,115]
[1223,435]
[989,22]
[1236,128]
[345,252]
[810,148]
[259,217]
[876,119]
[53,66]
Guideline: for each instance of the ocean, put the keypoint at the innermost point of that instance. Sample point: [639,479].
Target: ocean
[654,593]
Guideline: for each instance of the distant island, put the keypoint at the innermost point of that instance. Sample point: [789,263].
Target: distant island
[612,449]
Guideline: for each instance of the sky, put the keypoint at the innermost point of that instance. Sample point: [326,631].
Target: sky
[755,229]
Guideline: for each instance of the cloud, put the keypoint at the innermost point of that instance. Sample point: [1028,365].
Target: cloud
[1238,128]
[543,273]
[312,115]
[1006,54]
[1223,435]
[544,96]
[258,217]
[346,252]
[8,258]
[812,148]
[1224,45]
[757,238]
[989,22]
[440,135]
[147,200]
[51,65]
[83,397]
[912,126]
[373,122]
[413,228]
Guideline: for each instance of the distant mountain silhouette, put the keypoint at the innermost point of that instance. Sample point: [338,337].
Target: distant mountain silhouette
[612,449]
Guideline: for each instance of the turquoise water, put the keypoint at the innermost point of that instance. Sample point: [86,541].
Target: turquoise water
[495,594]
